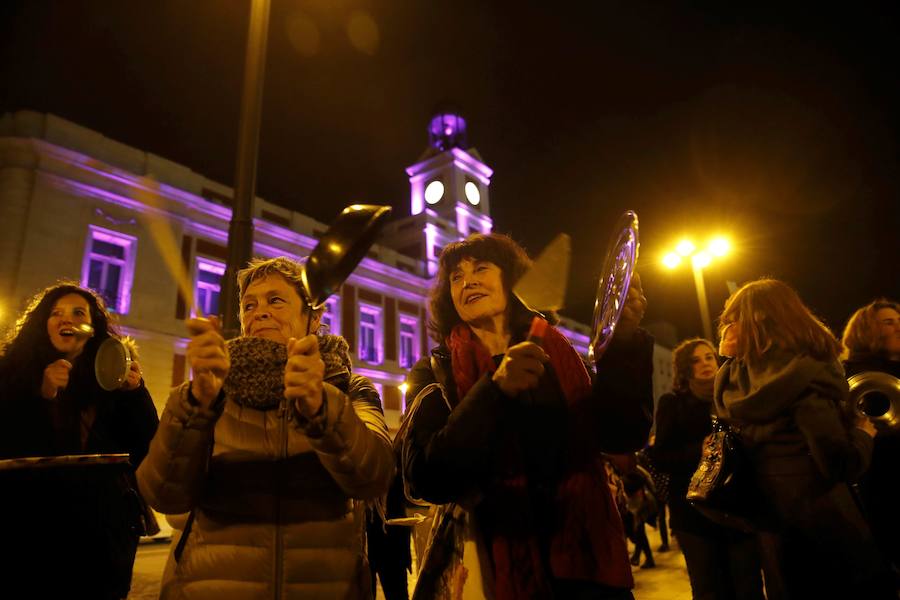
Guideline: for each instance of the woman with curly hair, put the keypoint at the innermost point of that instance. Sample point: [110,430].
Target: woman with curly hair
[513,431]
[784,390]
[722,563]
[872,343]
[84,521]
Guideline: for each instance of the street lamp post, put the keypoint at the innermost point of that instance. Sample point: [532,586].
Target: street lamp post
[701,299]
[240,230]
[699,260]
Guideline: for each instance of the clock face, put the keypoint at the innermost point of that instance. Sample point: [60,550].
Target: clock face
[434,191]
[472,193]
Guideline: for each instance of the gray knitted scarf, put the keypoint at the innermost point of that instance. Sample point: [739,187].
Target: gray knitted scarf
[256,377]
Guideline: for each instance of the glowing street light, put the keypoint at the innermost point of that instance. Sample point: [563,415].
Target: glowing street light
[671,260]
[700,259]
[685,247]
[719,246]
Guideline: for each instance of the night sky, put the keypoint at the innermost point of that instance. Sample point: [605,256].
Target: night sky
[778,126]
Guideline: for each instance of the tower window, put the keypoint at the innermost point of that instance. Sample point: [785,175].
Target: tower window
[472,193]
[434,191]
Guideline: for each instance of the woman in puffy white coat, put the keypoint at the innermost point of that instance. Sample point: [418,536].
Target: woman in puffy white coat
[275,447]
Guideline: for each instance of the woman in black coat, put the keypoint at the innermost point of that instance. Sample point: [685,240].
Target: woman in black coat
[784,390]
[722,563]
[514,430]
[872,343]
[77,526]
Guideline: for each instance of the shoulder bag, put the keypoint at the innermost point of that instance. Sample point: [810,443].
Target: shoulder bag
[722,487]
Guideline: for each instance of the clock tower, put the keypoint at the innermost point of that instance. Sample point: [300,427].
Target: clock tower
[449,193]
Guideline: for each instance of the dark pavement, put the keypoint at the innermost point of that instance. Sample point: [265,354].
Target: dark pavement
[667,581]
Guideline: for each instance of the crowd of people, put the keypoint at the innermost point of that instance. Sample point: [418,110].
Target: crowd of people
[531,466]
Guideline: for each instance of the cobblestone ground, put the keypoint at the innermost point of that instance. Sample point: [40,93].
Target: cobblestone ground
[667,581]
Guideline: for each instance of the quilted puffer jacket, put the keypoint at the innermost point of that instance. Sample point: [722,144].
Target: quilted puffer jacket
[278,501]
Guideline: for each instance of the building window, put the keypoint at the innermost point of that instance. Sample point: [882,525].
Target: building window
[331,317]
[370,334]
[208,285]
[409,341]
[108,266]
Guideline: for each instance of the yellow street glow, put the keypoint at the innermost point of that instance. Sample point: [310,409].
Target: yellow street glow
[671,260]
[702,259]
[685,247]
[403,387]
[719,246]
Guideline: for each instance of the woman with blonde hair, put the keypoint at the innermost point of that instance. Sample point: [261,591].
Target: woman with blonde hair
[872,343]
[783,390]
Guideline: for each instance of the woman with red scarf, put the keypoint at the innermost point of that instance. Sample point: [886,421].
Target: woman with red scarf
[515,432]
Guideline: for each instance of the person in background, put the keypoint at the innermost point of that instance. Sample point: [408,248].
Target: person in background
[661,486]
[274,447]
[643,510]
[872,343]
[722,563]
[514,430]
[76,528]
[388,546]
[783,389]
[872,339]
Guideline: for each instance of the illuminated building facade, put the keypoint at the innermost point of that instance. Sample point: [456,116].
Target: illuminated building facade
[77,205]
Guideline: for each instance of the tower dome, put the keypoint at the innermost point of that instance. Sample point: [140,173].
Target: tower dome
[447,130]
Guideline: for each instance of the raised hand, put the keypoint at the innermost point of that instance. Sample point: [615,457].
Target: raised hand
[633,312]
[133,377]
[56,377]
[303,374]
[520,369]
[208,357]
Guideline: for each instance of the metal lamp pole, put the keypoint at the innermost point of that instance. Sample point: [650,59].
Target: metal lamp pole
[240,230]
[701,299]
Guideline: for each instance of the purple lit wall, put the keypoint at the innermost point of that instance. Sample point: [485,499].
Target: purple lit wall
[117,202]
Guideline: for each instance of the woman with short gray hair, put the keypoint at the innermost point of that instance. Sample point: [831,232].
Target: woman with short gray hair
[274,446]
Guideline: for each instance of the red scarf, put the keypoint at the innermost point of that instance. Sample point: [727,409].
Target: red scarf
[588,540]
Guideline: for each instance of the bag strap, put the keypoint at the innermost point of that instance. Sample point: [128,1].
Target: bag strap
[403,431]
[188,524]
[184,536]
[448,387]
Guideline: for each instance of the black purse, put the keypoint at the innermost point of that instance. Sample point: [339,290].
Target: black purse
[722,487]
